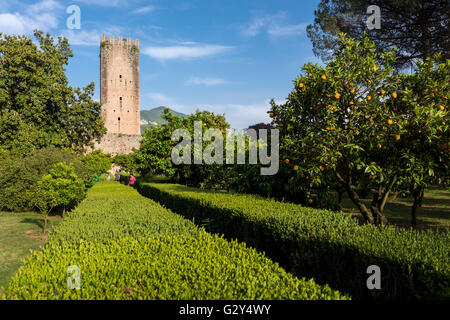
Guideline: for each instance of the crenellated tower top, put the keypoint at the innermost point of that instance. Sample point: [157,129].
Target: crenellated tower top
[120,40]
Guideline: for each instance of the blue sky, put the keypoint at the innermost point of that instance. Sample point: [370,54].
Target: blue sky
[229,56]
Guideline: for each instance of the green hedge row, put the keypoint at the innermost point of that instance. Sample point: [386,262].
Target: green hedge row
[129,247]
[328,246]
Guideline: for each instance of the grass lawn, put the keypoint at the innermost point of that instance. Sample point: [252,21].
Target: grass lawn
[434,213]
[19,233]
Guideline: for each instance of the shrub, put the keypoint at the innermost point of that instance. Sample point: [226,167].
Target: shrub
[129,247]
[19,175]
[331,247]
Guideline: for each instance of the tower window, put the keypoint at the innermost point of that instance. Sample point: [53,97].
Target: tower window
[120,98]
[119,118]
[120,76]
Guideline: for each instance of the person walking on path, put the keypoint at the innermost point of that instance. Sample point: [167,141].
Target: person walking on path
[132,180]
[117,176]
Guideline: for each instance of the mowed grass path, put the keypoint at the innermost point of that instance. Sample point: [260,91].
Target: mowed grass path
[19,233]
[434,213]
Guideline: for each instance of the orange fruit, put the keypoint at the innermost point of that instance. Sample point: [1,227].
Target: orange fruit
[382,92]
[441,107]
[443,123]
[337,96]
[324,77]
[310,201]
[357,133]
[379,146]
[352,91]
[296,168]
[271,114]
[397,137]
[301,85]
[310,75]
[286,161]
[347,86]
[394,95]
[321,168]
[369,98]
[389,122]
[357,89]
[352,103]
[332,128]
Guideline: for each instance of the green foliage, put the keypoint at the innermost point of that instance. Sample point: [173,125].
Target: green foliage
[97,163]
[129,247]
[19,175]
[330,247]
[154,156]
[127,162]
[360,121]
[61,187]
[421,25]
[38,108]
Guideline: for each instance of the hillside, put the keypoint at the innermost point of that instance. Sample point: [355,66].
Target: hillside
[153,116]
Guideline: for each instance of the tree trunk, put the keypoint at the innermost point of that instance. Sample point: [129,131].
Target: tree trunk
[340,194]
[64,213]
[418,195]
[367,214]
[45,224]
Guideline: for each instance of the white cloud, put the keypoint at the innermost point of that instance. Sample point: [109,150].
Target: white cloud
[274,25]
[287,31]
[184,51]
[143,10]
[205,81]
[82,37]
[42,16]
[105,3]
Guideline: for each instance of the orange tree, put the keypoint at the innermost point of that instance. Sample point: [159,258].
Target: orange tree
[348,120]
[425,136]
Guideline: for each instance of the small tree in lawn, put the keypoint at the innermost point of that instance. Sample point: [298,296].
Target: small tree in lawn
[45,199]
[352,118]
[60,188]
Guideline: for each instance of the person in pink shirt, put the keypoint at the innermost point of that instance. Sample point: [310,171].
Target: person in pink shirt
[132,180]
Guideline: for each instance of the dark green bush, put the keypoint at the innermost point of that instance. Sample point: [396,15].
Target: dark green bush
[18,174]
[129,247]
[328,246]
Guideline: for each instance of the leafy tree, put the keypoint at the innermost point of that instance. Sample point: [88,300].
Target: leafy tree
[97,163]
[37,106]
[418,28]
[61,187]
[155,151]
[425,138]
[19,175]
[126,162]
[354,118]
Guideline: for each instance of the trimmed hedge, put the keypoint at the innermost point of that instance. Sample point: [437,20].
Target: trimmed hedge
[129,247]
[328,246]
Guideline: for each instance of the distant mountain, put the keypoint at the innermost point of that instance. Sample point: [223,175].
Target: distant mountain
[154,116]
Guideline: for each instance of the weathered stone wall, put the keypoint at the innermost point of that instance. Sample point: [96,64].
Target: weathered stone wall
[119,85]
[114,143]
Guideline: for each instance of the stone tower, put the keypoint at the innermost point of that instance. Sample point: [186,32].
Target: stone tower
[119,85]
[119,95]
